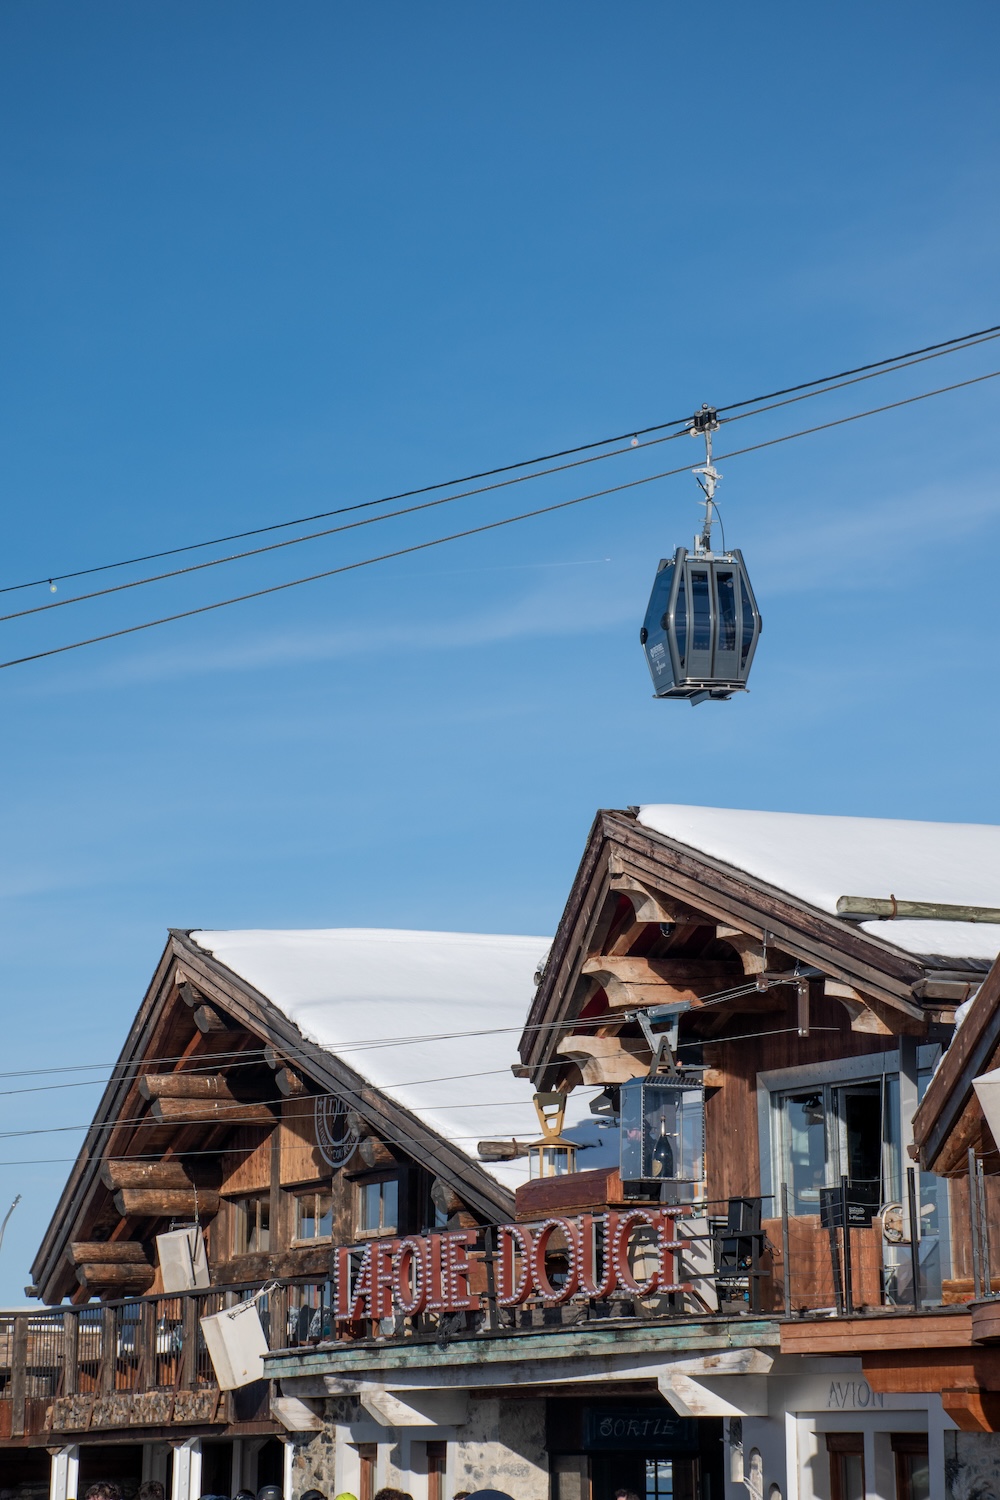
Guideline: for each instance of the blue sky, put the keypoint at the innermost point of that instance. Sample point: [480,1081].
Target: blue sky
[259,261]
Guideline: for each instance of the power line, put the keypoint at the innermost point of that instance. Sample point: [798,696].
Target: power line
[409,510]
[947,346]
[278,588]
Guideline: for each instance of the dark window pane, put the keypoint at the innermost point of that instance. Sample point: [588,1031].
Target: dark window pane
[726,587]
[701,605]
[747,623]
[681,621]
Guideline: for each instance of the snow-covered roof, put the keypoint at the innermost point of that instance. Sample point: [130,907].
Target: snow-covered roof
[431,1019]
[819,858]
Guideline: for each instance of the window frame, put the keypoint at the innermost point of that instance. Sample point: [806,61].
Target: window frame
[360,1187]
[314,1193]
[240,1226]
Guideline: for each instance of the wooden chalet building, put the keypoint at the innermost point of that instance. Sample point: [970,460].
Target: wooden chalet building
[730,1347]
[728,1043]
[287,1091]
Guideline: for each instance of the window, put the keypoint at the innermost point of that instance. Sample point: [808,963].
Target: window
[659,1479]
[251,1219]
[701,639]
[747,612]
[681,621]
[847,1465]
[378,1206]
[913,1477]
[368,1462]
[840,1130]
[727,611]
[437,1463]
[314,1216]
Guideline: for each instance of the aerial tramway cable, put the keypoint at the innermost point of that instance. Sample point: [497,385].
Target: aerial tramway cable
[882,366]
[484,527]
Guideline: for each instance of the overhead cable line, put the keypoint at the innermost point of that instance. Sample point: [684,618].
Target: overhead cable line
[277,588]
[885,366]
[313,536]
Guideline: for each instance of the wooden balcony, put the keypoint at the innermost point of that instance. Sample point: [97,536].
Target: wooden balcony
[139,1363]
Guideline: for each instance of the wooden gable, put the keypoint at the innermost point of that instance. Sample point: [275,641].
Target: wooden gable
[651,921]
[950,1120]
[212,1103]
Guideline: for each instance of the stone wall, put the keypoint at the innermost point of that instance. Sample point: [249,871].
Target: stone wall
[972,1465]
[502,1447]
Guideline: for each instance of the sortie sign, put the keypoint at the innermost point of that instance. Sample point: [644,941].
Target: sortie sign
[632,1252]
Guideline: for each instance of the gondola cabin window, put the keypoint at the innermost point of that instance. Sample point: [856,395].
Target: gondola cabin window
[314,1216]
[251,1221]
[378,1206]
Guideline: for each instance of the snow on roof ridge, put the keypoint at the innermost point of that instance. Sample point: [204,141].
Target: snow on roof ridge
[818,857]
[431,1019]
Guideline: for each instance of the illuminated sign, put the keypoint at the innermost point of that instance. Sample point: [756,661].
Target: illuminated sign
[630,1253]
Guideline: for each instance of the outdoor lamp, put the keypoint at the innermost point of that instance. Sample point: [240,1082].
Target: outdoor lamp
[551,1155]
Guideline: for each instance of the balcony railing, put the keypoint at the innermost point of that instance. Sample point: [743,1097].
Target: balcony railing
[139,1362]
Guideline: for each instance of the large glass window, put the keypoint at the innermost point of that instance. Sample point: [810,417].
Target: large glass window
[725,584]
[701,606]
[840,1130]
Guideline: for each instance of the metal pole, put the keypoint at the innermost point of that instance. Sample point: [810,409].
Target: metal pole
[848,1278]
[977,1275]
[838,1290]
[911,1196]
[785,1265]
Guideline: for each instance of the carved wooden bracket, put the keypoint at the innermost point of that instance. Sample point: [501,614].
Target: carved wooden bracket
[606,1059]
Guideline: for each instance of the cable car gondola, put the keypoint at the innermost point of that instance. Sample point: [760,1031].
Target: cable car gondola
[702,622]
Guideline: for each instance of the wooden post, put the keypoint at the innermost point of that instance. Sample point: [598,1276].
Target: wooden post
[146,1372]
[977,1274]
[785,1263]
[189,1336]
[18,1375]
[109,1350]
[71,1354]
[489,1257]
[277,1318]
[914,1211]
[984,1233]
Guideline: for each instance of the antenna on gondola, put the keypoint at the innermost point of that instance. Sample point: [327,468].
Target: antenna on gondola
[702,622]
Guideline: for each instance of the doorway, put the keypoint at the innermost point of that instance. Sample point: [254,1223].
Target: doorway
[649,1477]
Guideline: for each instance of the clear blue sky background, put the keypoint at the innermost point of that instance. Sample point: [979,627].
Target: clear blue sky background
[259,260]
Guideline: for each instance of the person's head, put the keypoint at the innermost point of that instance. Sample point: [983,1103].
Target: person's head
[244,1495]
[150,1489]
[388,1493]
[346,1495]
[270,1492]
[626,1495]
[461,1495]
[103,1489]
[489,1495]
[312,1495]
